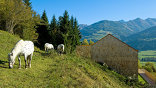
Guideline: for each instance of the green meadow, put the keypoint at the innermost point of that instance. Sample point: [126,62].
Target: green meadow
[149,53]
[52,70]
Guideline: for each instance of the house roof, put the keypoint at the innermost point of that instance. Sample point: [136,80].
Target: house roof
[113,37]
[117,39]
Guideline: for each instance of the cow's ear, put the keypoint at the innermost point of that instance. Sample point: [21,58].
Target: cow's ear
[11,54]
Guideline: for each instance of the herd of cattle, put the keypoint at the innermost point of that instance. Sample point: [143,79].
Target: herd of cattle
[26,48]
[48,46]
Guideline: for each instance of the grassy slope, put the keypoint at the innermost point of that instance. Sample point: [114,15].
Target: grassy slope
[141,79]
[149,53]
[52,70]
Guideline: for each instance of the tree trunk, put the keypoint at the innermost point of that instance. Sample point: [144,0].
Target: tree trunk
[9,27]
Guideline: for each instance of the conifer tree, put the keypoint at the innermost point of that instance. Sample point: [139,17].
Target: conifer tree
[72,34]
[54,31]
[43,30]
[75,34]
[65,31]
[77,31]
[44,18]
[72,22]
[64,27]
[64,23]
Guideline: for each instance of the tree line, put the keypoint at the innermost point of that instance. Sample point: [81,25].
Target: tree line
[17,17]
[151,59]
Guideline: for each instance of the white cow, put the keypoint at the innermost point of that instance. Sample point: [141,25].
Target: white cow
[60,49]
[48,46]
[25,48]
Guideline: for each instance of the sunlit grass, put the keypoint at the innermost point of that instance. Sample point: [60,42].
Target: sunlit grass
[52,70]
[141,79]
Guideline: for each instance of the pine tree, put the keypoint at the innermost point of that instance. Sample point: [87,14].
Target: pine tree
[54,31]
[72,34]
[65,31]
[72,22]
[44,18]
[43,30]
[64,23]
[75,34]
[77,31]
[64,27]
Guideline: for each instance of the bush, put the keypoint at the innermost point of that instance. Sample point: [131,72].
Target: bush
[85,42]
[149,67]
[154,69]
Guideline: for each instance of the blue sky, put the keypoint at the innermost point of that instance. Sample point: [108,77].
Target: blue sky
[91,11]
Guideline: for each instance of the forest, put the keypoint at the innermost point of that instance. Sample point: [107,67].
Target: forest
[18,18]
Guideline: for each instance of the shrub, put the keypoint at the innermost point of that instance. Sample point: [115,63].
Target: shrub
[149,67]
[139,64]
[85,42]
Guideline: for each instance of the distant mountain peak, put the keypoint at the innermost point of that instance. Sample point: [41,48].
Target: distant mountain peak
[81,26]
[120,28]
[138,19]
[122,21]
[150,19]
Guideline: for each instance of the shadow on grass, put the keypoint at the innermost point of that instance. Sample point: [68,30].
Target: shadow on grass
[37,51]
[45,54]
[2,63]
[49,53]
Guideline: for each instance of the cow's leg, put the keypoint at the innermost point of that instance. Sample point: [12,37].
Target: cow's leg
[25,57]
[30,58]
[45,50]
[58,52]
[19,62]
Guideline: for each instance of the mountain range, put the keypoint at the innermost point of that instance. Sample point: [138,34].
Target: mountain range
[121,29]
[138,33]
[144,40]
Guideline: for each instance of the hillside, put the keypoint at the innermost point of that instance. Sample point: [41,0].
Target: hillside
[121,29]
[144,40]
[51,70]
[98,30]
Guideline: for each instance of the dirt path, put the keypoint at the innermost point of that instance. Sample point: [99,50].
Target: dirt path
[142,73]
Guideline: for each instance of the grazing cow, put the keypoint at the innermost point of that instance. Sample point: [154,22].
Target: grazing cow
[60,49]
[48,46]
[25,48]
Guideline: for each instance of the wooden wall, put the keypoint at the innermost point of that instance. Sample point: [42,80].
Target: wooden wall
[116,54]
